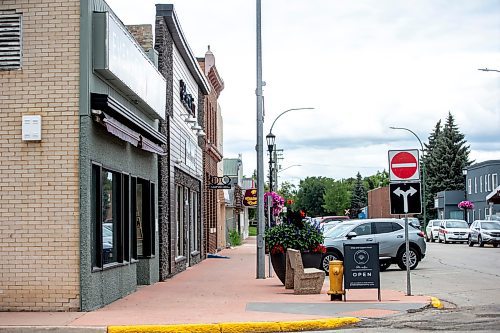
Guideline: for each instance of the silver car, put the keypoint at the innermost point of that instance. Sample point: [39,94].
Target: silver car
[388,233]
[484,232]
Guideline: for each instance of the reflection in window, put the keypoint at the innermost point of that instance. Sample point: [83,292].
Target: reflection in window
[109,215]
[138,220]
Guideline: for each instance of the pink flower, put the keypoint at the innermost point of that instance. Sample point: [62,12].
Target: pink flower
[466,204]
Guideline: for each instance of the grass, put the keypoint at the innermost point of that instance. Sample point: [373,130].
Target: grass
[252,231]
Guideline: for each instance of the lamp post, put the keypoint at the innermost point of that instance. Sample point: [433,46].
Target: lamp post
[270,138]
[464,173]
[488,70]
[423,173]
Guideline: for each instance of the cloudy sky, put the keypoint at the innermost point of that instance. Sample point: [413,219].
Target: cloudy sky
[363,65]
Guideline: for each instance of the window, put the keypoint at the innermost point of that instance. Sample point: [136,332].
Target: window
[180,221]
[364,229]
[470,185]
[475,185]
[117,200]
[383,227]
[11,45]
[494,180]
[487,180]
[480,184]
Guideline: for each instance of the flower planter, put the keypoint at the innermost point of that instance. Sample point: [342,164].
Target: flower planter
[309,260]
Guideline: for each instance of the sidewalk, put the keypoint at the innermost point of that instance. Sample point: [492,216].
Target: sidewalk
[222,290]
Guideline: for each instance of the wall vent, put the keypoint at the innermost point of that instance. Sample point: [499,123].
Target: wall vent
[10,41]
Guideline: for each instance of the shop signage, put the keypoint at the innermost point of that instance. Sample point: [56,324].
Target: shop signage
[250,198]
[218,183]
[361,266]
[123,63]
[187,99]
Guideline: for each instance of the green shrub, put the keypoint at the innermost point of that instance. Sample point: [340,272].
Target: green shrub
[234,237]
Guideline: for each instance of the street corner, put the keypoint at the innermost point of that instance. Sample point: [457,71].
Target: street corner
[241,327]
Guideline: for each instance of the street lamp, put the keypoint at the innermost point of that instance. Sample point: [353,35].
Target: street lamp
[270,138]
[488,70]
[423,173]
[288,167]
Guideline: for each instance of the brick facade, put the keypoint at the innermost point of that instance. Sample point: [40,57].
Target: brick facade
[39,189]
[211,153]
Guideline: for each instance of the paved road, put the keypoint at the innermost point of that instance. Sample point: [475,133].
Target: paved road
[466,279]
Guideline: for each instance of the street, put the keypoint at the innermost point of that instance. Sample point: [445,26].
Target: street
[466,280]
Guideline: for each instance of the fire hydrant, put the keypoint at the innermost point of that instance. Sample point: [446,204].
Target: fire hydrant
[336,271]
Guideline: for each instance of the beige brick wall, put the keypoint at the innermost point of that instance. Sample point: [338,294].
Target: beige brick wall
[39,189]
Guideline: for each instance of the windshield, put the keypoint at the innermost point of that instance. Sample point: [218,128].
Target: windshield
[457,224]
[338,230]
[493,225]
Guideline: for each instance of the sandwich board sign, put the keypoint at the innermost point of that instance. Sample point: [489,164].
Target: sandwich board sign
[362,266]
[404,165]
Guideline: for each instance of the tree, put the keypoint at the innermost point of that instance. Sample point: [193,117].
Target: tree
[359,197]
[310,195]
[288,191]
[447,156]
[380,179]
[337,197]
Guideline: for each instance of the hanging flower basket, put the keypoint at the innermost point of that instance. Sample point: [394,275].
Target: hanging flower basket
[277,203]
[466,204]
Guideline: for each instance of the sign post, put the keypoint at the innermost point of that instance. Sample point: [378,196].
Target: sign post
[404,191]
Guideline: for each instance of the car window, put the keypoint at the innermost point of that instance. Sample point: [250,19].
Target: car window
[436,223]
[490,225]
[338,230]
[396,226]
[456,224]
[364,229]
[383,227]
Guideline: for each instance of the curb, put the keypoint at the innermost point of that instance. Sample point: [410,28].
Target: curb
[240,327]
[52,329]
[436,303]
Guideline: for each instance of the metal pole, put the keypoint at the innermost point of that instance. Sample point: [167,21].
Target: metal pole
[407,243]
[271,170]
[261,256]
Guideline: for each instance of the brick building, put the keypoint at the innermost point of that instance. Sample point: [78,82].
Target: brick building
[212,157]
[80,147]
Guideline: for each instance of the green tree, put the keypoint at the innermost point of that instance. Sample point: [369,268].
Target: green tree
[359,198]
[380,179]
[337,197]
[447,155]
[310,195]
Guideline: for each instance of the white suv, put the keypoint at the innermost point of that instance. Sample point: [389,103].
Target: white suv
[432,230]
[453,231]
[484,232]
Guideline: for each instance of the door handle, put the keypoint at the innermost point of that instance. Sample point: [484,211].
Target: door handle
[399,236]
[369,239]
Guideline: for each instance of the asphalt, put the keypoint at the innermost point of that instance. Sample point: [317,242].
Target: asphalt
[221,295]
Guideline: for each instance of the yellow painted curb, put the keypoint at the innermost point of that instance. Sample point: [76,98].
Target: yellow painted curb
[241,327]
[436,303]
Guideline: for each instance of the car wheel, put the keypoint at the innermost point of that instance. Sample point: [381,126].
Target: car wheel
[469,241]
[432,238]
[495,245]
[439,239]
[325,261]
[384,265]
[414,258]
[480,241]
[444,239]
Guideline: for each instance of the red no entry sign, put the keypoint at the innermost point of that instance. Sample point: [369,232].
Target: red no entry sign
[403,165]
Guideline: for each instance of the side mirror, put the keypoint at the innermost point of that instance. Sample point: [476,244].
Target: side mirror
[351,234]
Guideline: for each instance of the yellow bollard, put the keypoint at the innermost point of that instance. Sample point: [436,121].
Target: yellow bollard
[336,271]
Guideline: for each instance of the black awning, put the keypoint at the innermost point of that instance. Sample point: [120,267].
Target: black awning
[127,134]
[126,117]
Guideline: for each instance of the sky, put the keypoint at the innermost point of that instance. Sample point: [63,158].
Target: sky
[362,65]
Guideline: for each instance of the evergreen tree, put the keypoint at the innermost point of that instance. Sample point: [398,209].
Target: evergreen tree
[359,198]
[447,156]
[430,162]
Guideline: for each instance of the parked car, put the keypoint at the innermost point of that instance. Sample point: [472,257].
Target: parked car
[432,230]
[329,225]
[414,222]
[453,231]
[388,233]
[484,232]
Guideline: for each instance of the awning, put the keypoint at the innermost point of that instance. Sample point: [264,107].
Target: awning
[494,196]
[127,134]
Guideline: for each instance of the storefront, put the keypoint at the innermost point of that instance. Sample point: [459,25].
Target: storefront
[123,100]
[181,195]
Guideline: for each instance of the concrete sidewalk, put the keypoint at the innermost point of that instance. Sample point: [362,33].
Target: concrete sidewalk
[222,290]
